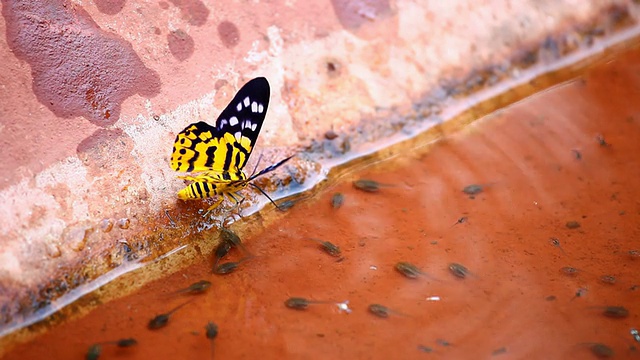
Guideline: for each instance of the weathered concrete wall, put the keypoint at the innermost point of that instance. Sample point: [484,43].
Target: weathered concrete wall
[94,92]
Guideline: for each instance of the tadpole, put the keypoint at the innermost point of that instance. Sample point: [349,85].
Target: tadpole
[367,185]
[299,303]
[382,311]
[229,267]
[458,270]
[328,247]
[162,320]
[232,238]
[616,312]
[337,200]
[408,270]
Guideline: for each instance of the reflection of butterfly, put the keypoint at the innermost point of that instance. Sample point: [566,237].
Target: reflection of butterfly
[217,155]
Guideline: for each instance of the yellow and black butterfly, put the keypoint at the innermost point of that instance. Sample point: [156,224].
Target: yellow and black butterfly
[217,154]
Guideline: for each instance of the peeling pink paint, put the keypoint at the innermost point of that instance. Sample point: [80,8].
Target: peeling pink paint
[194,11]
[110,7]
[77,68]
[229,34]
[181,44]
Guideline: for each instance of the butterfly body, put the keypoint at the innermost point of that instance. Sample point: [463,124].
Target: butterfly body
[216,155]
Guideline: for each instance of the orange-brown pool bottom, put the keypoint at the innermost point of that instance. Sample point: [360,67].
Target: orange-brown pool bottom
[566,155]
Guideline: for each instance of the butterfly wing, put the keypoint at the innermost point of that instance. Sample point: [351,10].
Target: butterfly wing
[227,146]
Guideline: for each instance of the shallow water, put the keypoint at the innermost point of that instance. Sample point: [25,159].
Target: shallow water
[569,154]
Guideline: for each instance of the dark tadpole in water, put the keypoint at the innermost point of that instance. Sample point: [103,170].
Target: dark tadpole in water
[367,185]
[226,268]
[608,279]
[443,342]
[328,247]
[298,303]
[616,312]
[379,310]
[162,320]
[461,220]
[232,238]
[569,271]
[408,270]
[337,200]
[229,267]
[499,351]
[211,330]
[577,154]
[601,141]
[221,251]
[96,349]
[195,288]
[572,224]
[581,292]
[382,311]
[473,189]
[128,342]
[556,242]
[94,352]
[286,205]
[458,270]
[600,350]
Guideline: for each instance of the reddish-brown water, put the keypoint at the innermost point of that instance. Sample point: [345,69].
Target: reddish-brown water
[562,164]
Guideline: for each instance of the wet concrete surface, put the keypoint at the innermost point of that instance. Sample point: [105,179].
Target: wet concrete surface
[559,174]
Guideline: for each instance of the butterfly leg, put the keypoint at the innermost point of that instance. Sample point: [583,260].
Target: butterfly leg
[234,197]
[238,200]
[215,205]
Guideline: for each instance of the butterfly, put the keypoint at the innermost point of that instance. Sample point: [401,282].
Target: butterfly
[216,155]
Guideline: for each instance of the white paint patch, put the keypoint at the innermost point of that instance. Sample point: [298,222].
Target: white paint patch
[238,135]
[223,123]
[31,197]
[254,107]
[247,124]
[70,172]
[247,101]
[233,121]
[11,263]
[260,108]
[253,127]
[276,44]
[239,107]
[152,150]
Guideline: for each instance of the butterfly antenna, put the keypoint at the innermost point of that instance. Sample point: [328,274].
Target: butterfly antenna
[265,194]
[269,168]
[256,167]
